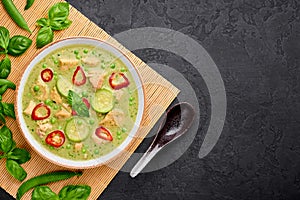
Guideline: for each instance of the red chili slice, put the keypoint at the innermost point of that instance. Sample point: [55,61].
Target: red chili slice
[79,77]
[56,138]
[103,133]
[86,102]
[118,81]
[47,75]
[40,112]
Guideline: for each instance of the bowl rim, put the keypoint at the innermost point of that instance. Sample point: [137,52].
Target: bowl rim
[39,148]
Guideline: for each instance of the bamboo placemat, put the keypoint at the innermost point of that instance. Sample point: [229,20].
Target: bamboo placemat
[159,93]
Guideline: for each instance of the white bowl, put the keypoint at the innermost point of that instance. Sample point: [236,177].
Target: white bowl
[42,150]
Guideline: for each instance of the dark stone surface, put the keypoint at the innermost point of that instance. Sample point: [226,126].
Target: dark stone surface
[256,46]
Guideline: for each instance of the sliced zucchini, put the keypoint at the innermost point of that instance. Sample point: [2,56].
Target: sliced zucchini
[63,86]
[77,129]
[103,101]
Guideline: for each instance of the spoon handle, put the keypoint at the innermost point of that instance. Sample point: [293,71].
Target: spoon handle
[144,160]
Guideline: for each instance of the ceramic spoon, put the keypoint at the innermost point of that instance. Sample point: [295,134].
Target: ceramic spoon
[177,121]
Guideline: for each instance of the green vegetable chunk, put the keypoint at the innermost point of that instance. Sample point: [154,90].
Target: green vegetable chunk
[9,84]
[75,192]
[63,86]
[44,193]
[18,44]
[45,179]
[76,131]
[103,101]
[14,168]
[15,14]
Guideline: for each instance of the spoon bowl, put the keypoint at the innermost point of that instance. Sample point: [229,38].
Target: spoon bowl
[177,121]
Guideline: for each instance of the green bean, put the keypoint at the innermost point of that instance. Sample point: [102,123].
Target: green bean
[9,84]
[28,4]
[3,88]
[15,14]
[45,179]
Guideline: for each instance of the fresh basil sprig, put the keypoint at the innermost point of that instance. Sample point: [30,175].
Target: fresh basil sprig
[77,104]
[14,156]
[57,20]
[14,46]
[69,192]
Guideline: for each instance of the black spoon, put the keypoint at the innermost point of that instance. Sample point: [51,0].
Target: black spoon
[177,121]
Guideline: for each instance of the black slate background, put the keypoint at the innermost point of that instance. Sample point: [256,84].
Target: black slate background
[256,46]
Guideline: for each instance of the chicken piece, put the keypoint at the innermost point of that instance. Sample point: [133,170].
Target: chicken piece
[43,92]
[78,146]
[63,114]
[45,127]
[30,108]
[66,64]
[40,133]
[96,78]
[118,94]
[98,140]
[44,121]
[67,107]
[55,96]
[91,61]
[113,118]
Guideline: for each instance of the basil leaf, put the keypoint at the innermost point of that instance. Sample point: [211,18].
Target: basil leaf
[19,155]
[43,193]
[5,67]
[59,12]
[18,44]
[45,36]
[4,39]
[43,22]
[9,110]
[77,104]
[75,192]
[60,25]
[6,140]
[15,170]
[2,119]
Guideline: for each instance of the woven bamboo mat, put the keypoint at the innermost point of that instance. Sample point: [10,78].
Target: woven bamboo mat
[159,93]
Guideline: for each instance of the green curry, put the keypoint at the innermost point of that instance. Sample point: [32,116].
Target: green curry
[80,102]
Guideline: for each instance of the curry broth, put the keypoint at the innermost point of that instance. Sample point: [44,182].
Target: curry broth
[93,60]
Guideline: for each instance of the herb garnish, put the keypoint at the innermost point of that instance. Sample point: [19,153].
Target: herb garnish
[57,20]
[77,104]
[14,156]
